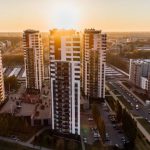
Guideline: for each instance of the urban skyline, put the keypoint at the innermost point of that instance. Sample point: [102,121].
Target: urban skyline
[74,75]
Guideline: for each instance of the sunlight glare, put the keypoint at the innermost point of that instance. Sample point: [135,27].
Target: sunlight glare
[65,15]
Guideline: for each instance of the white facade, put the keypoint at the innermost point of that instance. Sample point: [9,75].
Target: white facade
[2,90]
[94,62]
[144,83]
[65,80]
[139,73]
[33,58]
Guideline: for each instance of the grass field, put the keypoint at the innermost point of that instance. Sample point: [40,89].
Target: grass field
[145,124]
[141,143]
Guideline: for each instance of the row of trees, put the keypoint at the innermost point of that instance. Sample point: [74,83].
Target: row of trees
[128,123]
[11,83]
[9,60]
[54,142]
[99,121]
[10,124]
[138,55]
[117,61]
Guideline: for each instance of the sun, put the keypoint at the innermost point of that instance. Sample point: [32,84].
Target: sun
[65,15]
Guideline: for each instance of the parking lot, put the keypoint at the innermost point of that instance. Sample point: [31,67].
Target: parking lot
[114,133]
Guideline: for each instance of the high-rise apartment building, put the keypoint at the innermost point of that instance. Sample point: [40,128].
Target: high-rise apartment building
[33,59]
[2,90]
[94,61]
[65,80]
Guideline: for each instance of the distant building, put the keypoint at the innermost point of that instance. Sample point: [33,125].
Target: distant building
[2,90]
[94,62]
[2,46]
[33,58]
[143,48]
[65,80]
[7,43]
[139,73]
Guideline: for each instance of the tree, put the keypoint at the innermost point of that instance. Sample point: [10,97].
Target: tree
[99,121]
[11,83]
[129,126]
[118,111]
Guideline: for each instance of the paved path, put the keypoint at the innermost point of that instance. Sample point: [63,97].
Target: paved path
[38,133]
[23,144]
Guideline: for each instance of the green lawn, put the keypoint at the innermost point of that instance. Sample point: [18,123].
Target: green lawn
[11,146]
[145,124]
[141,143]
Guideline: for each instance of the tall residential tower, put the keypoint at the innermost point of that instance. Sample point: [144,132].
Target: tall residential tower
[65,80]
[2,90]
[33,58]
[93,63]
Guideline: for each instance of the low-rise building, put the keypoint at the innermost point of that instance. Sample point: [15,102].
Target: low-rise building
[139,73]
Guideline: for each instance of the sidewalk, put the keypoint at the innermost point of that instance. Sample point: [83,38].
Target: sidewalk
[23,144]
[38,133]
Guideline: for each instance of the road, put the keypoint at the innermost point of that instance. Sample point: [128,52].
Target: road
[86,127]
[129,97]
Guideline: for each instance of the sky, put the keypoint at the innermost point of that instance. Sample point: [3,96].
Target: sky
[108,15]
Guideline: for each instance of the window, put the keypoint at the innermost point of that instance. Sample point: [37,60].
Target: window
[68,54]
[76,49]
[76,54]
[76,59]
[68,44]
[68,59]
[76,39]
[76,44]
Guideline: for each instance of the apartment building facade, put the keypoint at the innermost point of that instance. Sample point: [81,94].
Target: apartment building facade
[139,73]
[2,89]
[33,59]
[94,62]
[65,80]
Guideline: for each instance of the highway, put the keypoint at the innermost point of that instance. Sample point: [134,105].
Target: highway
[143,111]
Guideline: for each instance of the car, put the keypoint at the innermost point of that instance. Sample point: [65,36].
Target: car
[114,125]
[132,104]
[120,131]
[137,107]
[116,145]
[92,129]
[122,138]
[85,140]
[13,137]
[96,135]
[90,119]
